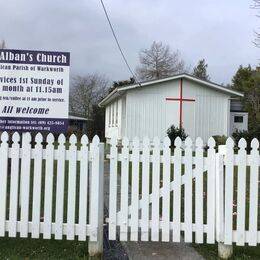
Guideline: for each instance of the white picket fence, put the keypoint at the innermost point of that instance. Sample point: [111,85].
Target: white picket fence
[51,191]
[155,193]
[238,208]
[159,195]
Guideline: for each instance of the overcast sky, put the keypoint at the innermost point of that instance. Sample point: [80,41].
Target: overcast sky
[221,31]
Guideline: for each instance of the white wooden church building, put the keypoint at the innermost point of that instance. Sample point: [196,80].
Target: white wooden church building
[202,108]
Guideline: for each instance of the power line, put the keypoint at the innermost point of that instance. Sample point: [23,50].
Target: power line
[119,47]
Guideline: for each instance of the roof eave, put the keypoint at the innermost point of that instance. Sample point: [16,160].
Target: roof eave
[216,86]
[107,99]
[187,76]
[103,102]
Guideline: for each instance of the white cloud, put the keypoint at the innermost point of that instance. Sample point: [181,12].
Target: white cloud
[219,31]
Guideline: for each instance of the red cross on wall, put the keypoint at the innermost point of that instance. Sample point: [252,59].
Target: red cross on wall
[181,100]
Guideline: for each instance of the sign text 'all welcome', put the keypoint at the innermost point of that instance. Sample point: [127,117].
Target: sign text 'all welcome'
[34,90]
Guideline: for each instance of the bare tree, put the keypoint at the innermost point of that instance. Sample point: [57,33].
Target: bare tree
[86,92]
[158,62]
[2,44]
[256,5]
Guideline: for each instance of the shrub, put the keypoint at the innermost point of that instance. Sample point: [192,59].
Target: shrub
[174,132]
[220,139]
[256,132]
[237,135]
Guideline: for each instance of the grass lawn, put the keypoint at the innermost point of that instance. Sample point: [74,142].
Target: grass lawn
[210,252]
[20,248]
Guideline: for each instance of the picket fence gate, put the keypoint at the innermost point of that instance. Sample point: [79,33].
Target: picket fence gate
[51,190]
[159,195]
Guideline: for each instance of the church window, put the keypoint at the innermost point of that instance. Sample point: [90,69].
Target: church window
[238,119]
[113,114]
[109,112]
[116,113]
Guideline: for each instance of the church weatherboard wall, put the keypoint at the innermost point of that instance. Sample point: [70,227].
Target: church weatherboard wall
[202,108]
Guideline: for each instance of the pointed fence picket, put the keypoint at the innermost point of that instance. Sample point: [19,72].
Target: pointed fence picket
[156,190]
[253,236]
[3,181]
[37,183]
[45,180]
[135,191]
[241,195]
[191,189]
[113,190]
[83,189]
[188,190]
[210,165]
[72,174]
[166,189]
[145,190]
[124,190]
[177,190]
[25,183]
[61,155]
[14,155]
[48,190]
[199,190]
[229,185]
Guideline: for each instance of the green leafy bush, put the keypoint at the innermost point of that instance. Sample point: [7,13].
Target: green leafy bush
[247,135]
[174,132]
[220,139]
[237,135]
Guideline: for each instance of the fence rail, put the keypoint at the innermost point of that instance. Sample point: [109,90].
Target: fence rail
[157,193]
[50,190]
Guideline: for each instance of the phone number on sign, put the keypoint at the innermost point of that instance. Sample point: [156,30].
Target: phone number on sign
[55,123]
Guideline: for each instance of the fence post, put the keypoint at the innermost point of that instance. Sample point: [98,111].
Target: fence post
[95,248]
[224,251]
